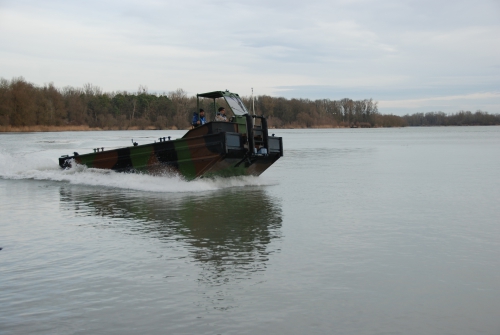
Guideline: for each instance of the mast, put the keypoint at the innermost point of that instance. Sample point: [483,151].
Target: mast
[253,103]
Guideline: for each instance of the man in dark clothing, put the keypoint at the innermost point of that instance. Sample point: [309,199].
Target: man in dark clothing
[198,120]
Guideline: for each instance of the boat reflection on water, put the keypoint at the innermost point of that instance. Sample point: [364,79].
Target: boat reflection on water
[227,232]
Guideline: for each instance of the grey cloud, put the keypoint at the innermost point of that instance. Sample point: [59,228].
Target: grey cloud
[381,49]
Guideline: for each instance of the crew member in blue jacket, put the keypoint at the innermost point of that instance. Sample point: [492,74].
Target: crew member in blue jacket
[199,119]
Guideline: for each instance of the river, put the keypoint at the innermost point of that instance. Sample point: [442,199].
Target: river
[353,231]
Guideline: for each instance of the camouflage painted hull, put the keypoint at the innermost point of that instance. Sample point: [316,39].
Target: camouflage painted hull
[214,149]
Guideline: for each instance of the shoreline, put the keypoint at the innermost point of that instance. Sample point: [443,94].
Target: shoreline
[47,129]
[42,129]
[39,129]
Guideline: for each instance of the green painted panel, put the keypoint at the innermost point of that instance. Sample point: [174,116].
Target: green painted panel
[186,165]
[140,156]
[242,124]
[87,159]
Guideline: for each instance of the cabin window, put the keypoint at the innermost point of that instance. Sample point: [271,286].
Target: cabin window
[236,105]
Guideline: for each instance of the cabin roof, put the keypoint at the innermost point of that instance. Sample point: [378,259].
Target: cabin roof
[232,99]
[215,94]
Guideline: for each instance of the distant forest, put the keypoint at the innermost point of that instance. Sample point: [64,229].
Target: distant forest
[25,105]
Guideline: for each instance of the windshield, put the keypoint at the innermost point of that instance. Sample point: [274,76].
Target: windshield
[236,104]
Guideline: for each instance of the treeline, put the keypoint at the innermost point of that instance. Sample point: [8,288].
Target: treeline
[306,113]
[23,104]
[462,118]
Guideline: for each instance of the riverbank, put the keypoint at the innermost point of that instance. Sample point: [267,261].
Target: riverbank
[39,128]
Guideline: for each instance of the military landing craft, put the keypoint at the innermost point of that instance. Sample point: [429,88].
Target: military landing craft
[241,146]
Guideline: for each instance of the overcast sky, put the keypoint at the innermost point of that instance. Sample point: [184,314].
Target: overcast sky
[411,56]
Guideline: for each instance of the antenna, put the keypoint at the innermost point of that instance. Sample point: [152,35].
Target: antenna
[253,103]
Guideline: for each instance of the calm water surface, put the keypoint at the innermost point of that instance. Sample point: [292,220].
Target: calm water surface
[363,231]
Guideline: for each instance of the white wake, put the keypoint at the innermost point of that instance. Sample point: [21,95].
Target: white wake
[42,168]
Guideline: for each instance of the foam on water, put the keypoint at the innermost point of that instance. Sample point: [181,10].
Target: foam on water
[42,168]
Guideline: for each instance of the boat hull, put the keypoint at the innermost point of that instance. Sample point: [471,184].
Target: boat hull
[201,154]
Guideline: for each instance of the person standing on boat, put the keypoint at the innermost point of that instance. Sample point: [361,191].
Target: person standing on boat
[221,115]
[199,119]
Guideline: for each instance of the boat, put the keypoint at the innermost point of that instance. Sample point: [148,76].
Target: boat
[239,147]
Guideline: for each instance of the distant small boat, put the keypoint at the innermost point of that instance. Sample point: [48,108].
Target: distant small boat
[239,147]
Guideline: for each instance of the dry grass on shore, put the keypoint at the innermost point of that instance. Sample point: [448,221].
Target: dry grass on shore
[10,129]
[38,128]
